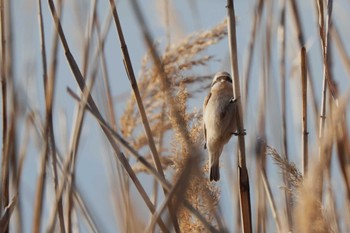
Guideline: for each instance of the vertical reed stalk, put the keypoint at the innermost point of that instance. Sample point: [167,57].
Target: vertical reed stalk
[21,156]
[324,24]
[40,187]
[325,74]
[4,200]
[304,154]
[50,88]
[282,39]
[333,103]
[301,40]
[242,169]
[44,157]
[13,145]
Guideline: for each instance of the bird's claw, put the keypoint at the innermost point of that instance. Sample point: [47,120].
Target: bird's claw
[237,133]
[233,100]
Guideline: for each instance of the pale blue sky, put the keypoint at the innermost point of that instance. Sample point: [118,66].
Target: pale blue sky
[192,15]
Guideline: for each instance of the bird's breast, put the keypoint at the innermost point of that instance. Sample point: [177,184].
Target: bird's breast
[217,106]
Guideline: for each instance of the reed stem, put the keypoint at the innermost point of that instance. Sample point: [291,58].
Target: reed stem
[305,156]
[242,169]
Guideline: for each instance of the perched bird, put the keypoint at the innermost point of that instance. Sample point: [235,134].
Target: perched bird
[219,119]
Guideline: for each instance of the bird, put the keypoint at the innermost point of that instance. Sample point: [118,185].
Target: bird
[219,118]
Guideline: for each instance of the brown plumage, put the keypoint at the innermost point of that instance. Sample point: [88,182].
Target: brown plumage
[219,122]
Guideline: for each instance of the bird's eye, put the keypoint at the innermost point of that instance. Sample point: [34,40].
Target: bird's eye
[225,78]
[228,79]
[222,79]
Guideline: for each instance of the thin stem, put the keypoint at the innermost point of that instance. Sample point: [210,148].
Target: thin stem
[301,40]
[51,93]
[13,103]
[305,156]
[282,38]
[242,169]
[326,82]
[40,187]
[42,173]
[4,199]
[325,75]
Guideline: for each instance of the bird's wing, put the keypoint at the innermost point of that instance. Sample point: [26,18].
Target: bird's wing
[206,101]
[204,128]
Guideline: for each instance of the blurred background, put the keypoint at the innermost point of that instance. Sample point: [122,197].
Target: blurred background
[260,38]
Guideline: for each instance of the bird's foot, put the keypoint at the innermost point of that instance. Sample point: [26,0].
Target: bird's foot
[233,100]
[237,133]
[205,146]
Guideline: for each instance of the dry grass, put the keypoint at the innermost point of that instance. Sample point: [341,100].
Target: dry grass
[156,168]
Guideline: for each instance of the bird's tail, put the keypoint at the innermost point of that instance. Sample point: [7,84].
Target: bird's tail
[214,172]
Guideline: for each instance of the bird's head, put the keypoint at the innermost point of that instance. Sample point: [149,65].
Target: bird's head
[221,77]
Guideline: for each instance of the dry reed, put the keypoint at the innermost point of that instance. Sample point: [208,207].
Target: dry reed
[243,178]
[155,142]
[305,146]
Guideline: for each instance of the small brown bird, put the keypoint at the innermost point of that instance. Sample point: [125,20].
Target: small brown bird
[219,120]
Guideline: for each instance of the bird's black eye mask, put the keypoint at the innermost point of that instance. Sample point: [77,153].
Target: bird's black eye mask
[226,78]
